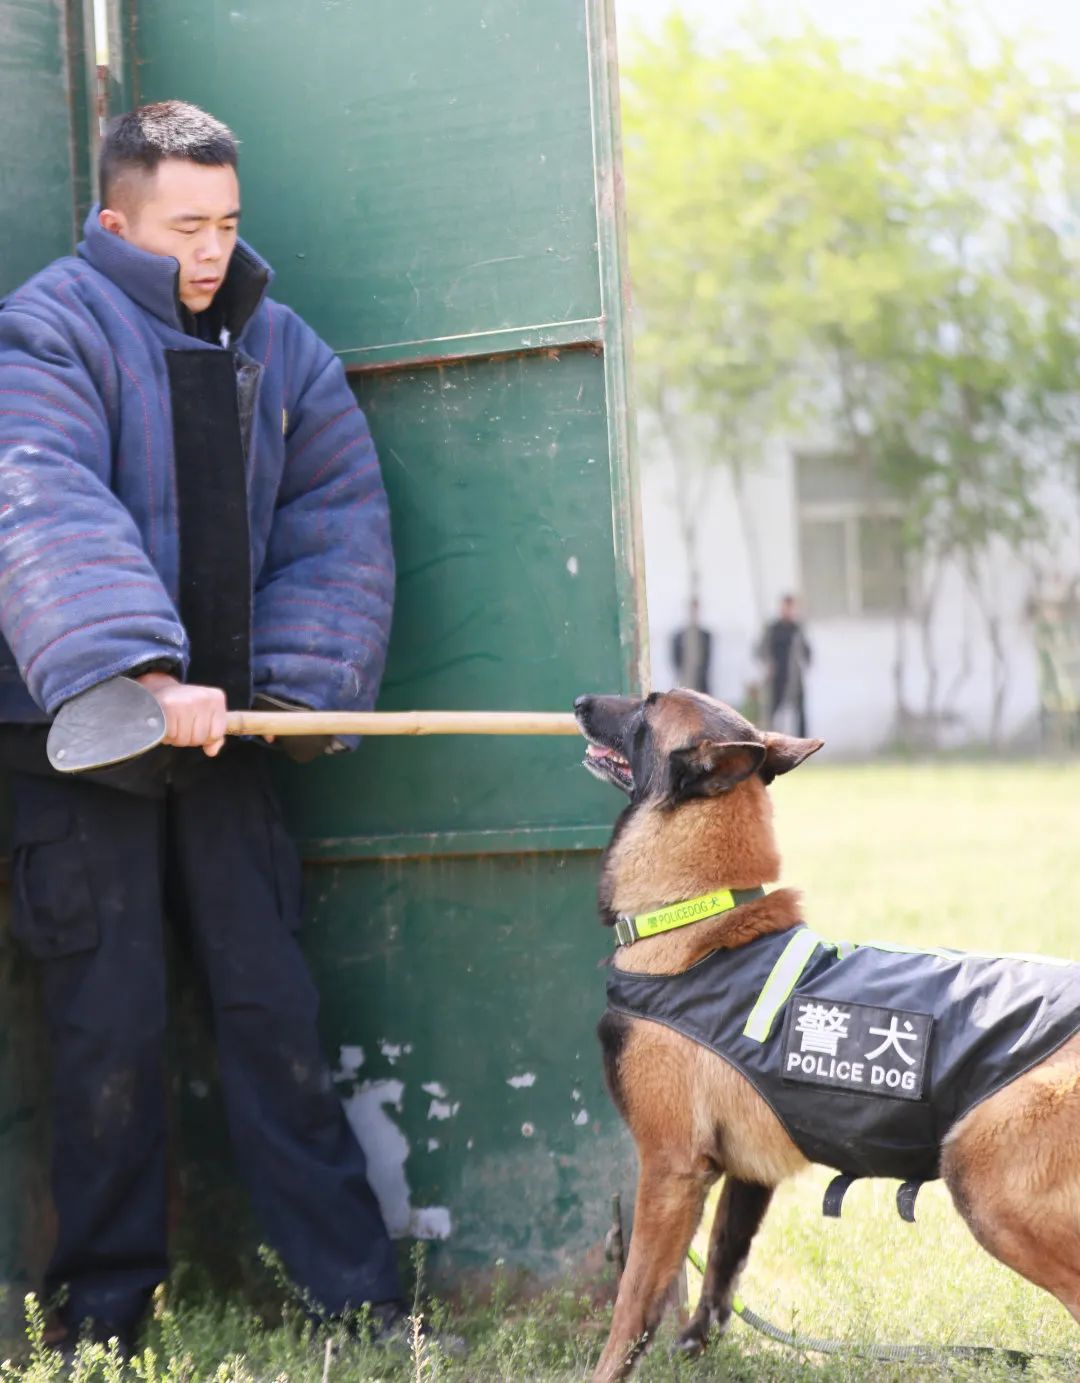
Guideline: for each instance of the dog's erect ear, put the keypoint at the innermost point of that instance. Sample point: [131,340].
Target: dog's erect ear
[785,752]
[708,768]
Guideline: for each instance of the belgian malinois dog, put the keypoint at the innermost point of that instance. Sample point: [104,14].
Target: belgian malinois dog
[699,819]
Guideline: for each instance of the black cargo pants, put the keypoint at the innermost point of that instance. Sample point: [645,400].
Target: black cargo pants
[95,870]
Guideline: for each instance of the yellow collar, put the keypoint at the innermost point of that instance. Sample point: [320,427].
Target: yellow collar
[630,929]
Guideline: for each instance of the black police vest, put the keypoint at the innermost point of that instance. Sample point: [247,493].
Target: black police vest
[867,1054]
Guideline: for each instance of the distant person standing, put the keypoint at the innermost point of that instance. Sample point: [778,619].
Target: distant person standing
[786,654]
[691,652]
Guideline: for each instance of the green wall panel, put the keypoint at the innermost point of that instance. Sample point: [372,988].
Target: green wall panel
[415,169]
[460,999]
[37,197]
[501,499]
[44,155]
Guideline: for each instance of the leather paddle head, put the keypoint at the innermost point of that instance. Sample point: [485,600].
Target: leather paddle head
[114,721]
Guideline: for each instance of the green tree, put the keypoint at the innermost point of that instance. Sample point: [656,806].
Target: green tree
[882,251]
[748,168]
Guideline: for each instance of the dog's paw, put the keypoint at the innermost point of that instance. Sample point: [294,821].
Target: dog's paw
[691,1340]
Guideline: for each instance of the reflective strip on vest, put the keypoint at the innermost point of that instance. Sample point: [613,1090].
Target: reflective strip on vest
[776,990]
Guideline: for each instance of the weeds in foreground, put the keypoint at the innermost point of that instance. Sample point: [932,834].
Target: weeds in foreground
[555,1338]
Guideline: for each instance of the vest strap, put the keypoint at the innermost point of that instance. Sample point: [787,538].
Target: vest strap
[835,1192]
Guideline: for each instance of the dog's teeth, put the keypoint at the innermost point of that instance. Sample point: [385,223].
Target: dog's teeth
[601,754]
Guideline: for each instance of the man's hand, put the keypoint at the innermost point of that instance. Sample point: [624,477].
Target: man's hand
[193,715]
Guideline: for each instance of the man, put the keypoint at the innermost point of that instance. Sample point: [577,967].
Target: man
[786,654]
[691,652]
[189,496]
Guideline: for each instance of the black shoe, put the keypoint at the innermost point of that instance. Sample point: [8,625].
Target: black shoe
[390,1326]
[65,1342]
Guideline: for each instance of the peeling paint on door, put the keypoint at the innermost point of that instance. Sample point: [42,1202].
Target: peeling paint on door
[387,1150]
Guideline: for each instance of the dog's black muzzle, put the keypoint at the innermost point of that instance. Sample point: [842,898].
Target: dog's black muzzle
[604,721]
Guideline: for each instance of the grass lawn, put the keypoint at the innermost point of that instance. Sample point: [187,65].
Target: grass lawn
[976,856]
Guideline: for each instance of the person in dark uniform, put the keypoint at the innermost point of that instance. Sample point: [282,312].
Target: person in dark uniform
[785,651]
[691,652]
[189,496]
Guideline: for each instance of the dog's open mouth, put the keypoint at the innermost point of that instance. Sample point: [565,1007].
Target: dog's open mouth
[609,766]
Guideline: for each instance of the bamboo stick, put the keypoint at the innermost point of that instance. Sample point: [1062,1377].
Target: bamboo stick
[401,723]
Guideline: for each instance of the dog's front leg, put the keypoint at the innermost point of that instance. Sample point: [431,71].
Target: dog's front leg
[739,1214]
[666,1212]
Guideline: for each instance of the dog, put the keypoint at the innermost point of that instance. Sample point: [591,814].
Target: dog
[698,833]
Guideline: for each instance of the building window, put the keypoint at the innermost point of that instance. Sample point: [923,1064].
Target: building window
[850,542]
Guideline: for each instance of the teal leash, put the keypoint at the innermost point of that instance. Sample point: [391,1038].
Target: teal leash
[815,1344]
[1016,1358]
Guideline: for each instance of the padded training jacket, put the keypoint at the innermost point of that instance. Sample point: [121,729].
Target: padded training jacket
[121,434]
[867,1054]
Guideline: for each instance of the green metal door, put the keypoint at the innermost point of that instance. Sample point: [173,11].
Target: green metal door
[44,116]
[44,182]
[437,188]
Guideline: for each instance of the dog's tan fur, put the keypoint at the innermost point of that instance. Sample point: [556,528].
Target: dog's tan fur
[1013,1169]
[1011,1165]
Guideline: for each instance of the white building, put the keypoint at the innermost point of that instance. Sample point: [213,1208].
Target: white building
[801,527]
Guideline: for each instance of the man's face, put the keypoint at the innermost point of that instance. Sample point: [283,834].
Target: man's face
[184,210]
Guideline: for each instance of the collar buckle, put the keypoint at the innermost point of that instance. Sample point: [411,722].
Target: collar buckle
[625,931]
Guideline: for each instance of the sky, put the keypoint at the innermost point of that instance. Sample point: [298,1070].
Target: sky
[878,25]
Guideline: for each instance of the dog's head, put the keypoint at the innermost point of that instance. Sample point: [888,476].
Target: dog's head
[672,747]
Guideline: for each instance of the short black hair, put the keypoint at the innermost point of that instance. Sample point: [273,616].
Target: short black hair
[140,139]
